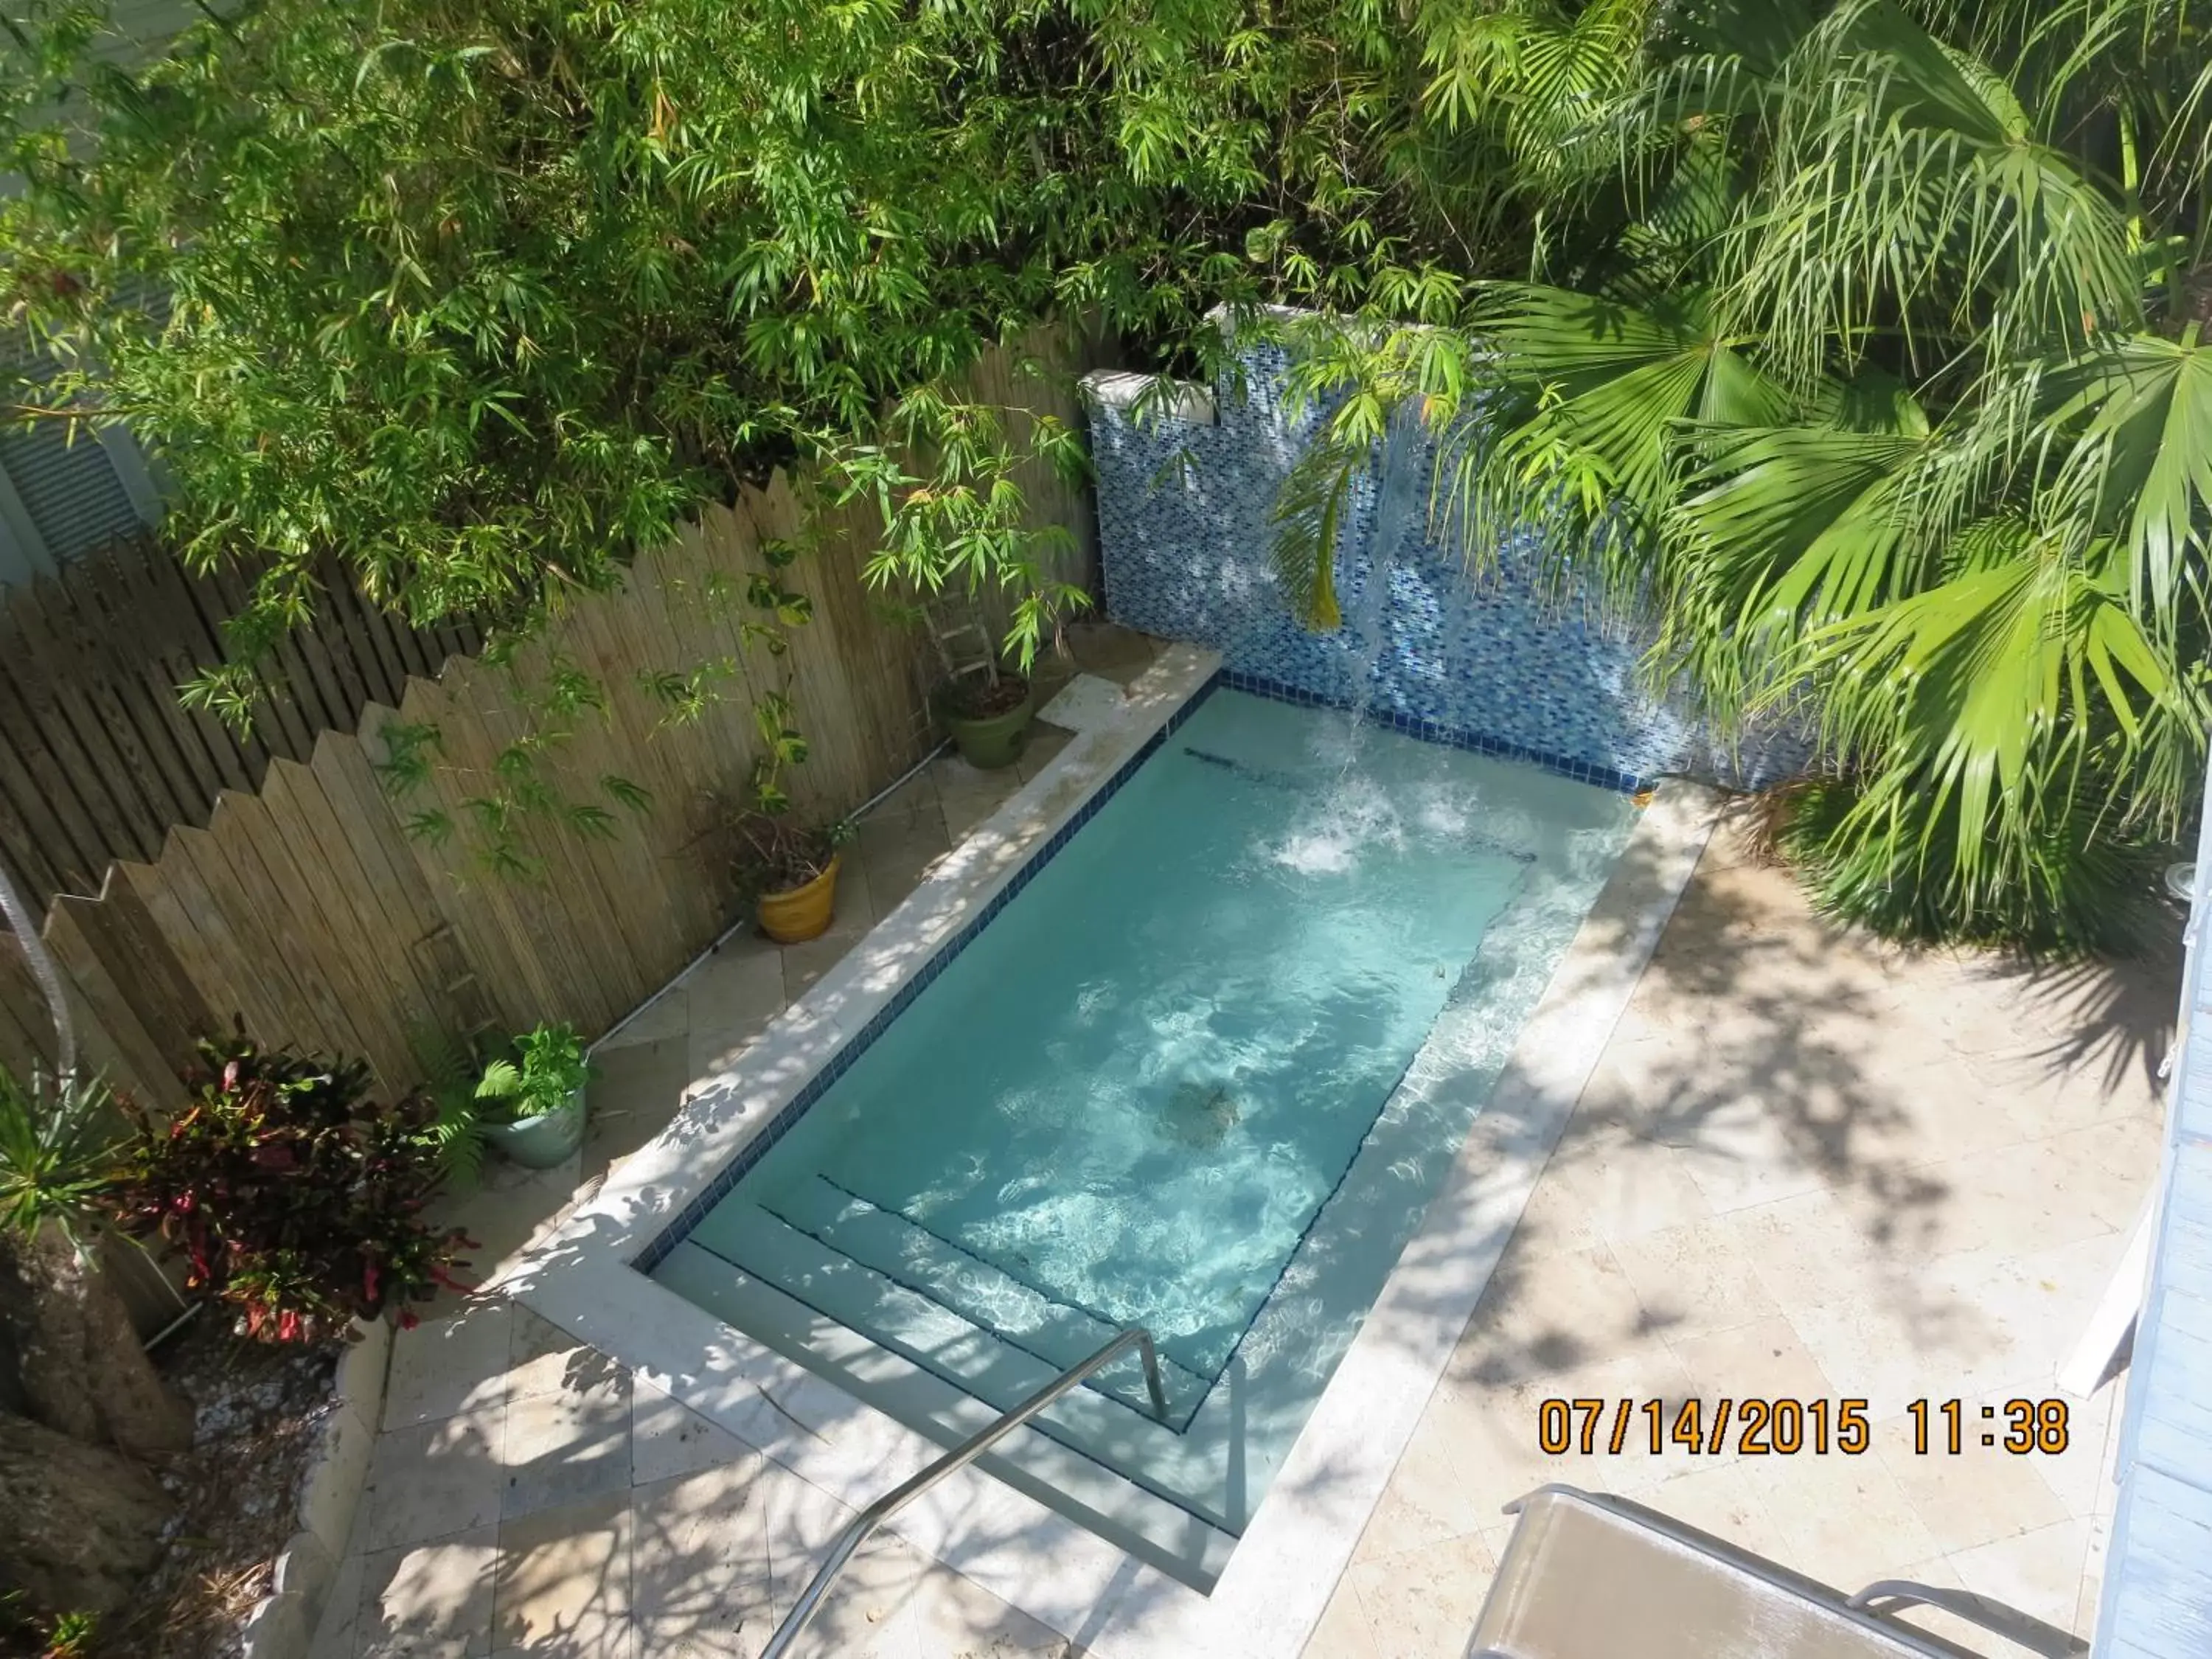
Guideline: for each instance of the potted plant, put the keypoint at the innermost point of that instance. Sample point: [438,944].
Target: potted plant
[790,870]
[959,533]
[533,1097]
[988,710]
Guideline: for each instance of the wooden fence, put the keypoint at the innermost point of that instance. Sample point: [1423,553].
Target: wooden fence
[311,910]
[97,757]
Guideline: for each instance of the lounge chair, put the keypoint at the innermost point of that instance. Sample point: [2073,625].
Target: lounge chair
[1587,1576]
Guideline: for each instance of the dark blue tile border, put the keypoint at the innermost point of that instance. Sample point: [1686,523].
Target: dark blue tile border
[839,1063]
[1451,737]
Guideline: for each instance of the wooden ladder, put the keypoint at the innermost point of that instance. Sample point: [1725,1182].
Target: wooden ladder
[962,638]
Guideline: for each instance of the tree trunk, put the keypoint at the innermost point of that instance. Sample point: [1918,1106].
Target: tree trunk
[2192,298]
[84,1372]
[17,911]
[80,1526]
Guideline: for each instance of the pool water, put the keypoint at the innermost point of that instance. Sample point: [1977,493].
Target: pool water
[1202,1075]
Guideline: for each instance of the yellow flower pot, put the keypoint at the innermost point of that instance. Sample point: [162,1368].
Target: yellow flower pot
[802,913]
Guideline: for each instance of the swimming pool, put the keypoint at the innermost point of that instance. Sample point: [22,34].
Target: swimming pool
[1201,1071]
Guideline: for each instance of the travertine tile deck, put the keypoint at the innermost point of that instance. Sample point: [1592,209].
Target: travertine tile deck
[1808,1166]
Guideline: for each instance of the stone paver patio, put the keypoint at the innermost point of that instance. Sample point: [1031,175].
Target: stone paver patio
[1806,1166]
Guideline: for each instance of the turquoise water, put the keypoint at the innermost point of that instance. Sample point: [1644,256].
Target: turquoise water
[1152,1090]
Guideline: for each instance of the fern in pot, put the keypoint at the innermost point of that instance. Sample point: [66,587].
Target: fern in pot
[532,1101]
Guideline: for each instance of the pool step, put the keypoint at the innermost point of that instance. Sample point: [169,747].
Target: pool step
[831,1283]
[920,1328]
[784,1297]
[912,1257]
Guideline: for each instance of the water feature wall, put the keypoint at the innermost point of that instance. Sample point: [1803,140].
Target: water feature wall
[1484,659]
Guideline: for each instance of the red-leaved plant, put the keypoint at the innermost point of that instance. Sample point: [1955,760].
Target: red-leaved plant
[290,1192]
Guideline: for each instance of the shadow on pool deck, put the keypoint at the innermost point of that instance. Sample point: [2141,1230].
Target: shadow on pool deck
[1809,1165]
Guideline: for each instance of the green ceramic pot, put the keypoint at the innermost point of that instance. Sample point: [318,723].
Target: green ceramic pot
[994,740]
[544,1142]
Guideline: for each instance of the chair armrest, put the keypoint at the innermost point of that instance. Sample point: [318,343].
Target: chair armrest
[2047,1641]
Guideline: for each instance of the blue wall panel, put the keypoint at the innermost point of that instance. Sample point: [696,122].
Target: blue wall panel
[1184,531]
[2157,1595]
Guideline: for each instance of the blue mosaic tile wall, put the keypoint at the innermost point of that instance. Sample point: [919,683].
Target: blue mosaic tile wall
[1483,661]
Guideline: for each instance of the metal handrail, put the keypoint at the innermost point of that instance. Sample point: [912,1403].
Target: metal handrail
[856,1532]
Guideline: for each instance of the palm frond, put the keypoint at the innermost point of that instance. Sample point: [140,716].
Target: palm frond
[1546,76]
[1309,516]
[2139,466]
[1901,186]
[59,1152]
[1594,396]
[1847,371]
[2081,884]
[450,1079]
[1671,246]
[1761,35]
[1980,701]
[501,1080]
[1783,530]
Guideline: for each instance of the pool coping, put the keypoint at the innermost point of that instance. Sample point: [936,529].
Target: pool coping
[1278,1579]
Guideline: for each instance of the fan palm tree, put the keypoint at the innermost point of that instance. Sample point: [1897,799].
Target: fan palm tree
[1861,351]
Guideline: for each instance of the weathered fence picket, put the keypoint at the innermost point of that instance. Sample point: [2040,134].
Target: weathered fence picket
[276,879]
[98,758]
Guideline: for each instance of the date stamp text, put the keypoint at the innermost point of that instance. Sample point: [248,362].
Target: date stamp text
[1757,1427]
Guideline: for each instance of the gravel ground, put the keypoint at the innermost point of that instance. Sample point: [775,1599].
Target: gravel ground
[237,1488]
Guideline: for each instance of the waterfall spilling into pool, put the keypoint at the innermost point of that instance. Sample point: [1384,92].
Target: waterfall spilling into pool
[1202,1073]
[1497,654]
[1400,518]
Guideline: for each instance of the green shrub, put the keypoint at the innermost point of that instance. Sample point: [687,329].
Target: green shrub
[26,1633]
[2068,888]
[291,1194]
[545,1070]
